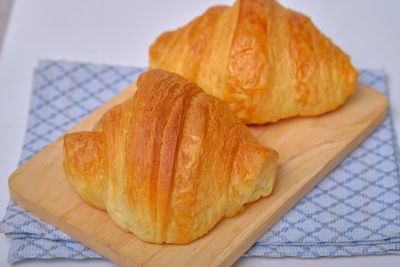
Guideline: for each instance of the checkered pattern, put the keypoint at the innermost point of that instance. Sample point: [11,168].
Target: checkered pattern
[63,94]
[353,211]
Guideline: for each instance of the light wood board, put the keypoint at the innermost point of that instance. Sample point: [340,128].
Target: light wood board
[309,149]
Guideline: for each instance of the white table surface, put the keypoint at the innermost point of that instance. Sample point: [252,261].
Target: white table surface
[120,32]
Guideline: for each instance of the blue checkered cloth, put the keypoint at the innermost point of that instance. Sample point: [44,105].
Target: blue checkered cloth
[355,210]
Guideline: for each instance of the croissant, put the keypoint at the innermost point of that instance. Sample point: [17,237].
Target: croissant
[267,62]
[170,162]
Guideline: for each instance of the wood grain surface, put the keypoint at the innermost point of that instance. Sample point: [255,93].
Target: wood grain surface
[309,149]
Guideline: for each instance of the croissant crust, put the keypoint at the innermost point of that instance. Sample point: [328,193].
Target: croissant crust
[169,163]
[267,62]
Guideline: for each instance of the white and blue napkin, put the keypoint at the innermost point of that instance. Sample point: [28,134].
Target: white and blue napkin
[355,210]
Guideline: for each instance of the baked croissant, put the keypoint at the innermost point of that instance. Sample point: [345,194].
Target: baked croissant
[267,62]
[169,163]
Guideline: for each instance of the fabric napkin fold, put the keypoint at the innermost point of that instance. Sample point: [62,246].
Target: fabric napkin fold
[355,210]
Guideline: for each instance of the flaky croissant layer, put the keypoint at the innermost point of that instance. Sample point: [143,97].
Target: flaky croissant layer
[267,62]
[169,163]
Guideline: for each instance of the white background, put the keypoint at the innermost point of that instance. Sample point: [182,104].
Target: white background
[120,32]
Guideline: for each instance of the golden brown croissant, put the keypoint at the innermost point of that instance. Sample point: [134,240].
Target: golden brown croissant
[267,62]
[170,162]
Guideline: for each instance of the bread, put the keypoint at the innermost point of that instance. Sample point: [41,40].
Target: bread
[169,163]
[267,62]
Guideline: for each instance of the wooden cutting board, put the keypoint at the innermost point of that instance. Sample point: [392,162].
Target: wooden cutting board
[309,149]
